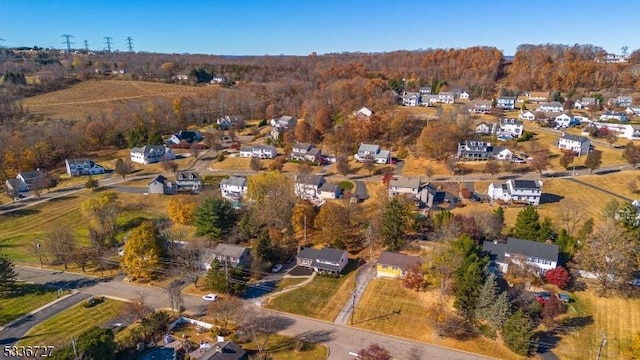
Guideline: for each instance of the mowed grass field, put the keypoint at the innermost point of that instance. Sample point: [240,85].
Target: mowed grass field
[388,307]
[93,97]
[322,298]
[616,317]
[59,329]
[26,298]
[284,348]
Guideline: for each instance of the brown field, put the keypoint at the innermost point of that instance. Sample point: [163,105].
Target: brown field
[389,308]
[92,97]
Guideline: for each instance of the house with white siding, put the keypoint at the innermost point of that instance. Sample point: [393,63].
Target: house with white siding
[520,252]
[259,151]
[79,167]
[527,191]
[150,154]
[234,188]
[366,150]
[579,145]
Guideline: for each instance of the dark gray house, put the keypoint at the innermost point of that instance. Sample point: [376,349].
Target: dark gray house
[327,260]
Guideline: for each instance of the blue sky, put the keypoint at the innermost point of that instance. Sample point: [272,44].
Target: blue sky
[254,27]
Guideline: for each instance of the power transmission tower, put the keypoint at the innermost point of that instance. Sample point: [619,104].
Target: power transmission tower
[86,46]
[107,40]
[67,40]
[130,44]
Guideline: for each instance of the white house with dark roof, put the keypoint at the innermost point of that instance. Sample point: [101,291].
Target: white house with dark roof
[411,99]
[232,255]
[229,121]
[474,150]
[486,129]
[188,181]
[511,128]
[366,150]
[527,115]
[527,191]
[234,188]
[25,181]
[506,102]
[553,106]
[480,107]
[586,102]
[563,120]
[330,191]
[538,255]
[619,116]
[429,100]
[79,167]
[623,100]
[446,97]
[259,151]
[306,152]
[363,113]
[307,186]
[502,153]
[160,185]
[150,154]
[464,96]
[425,90]
[577,144]
[188,136]
[326,260]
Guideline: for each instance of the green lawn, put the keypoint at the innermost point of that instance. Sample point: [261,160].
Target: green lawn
[59,329]
[26,298]
[288,282]
[322,298]
[284,348]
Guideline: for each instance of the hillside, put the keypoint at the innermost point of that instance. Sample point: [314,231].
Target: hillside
[93,97]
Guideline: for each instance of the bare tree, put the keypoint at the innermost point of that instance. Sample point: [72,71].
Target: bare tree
[83,256]
[123,167]
[174,292]
[571,213]
[304,168]
[369,163]
[187,261]
[11,192]
[342,165]
[169,165]
[508,166]
[255,164]
[259,326]
[225,310]
[138,308]
[429,171]
[194,150]
[60,244]
[540,161]
[492,167]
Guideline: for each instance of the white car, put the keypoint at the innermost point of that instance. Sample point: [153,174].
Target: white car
[276,268]
[210,297]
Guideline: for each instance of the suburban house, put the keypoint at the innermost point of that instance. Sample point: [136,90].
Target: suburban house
[306,152]
[282,124]
[24,181]
[632,110]
[223,350]
[563,120]
[585,102]
[363,113]
[425,90]
[428,100]
[160,185]
[408,186]
[307,186]
[538,255]
[411,98]
[395,265]
[15,186]
[486,129]
[221,79]
[326,260]
[150,154]
[554,106]
[231,254]
[234,188]
[187,136]
[502,153]
[188,181]
[614,115]
[577,144]
[366,150]
[259,151]
[230,121]
[480,107]
[79,167]
[627,131]
[434,196]
[623,101]
[527,115]
[506,102]
[464,96]
[527,191]
[474,150]
[538,96]
[330,191]
[510,128]
[446,97]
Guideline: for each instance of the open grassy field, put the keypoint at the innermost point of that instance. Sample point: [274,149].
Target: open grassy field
[26,298]
[390,308]
[322,298]
[618,318]
[284,348]
[60,328]
[93,97]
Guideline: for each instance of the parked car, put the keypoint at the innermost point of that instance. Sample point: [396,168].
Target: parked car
[542,296]
[564,297]
[210,297]
[276,268]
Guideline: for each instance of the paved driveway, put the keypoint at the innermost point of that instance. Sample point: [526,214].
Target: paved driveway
[363,276]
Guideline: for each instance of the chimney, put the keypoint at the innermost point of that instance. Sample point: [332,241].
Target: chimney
[220,339]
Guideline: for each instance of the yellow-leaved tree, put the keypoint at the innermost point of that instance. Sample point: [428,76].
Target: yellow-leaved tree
[142,252]
[182,209]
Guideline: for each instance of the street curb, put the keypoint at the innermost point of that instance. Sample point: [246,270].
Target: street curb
[33,312]
[59,271]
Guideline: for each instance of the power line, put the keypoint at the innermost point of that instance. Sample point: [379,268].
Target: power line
[67,41]
[107,40]
[130,43]
[86,45]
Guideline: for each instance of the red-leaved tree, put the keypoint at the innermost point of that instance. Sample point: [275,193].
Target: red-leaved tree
[414,278]
[374,352]
[558,276]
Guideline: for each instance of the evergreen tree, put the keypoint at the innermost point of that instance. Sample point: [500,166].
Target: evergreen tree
[527,224]
[546,230]
[215,279]
[96,343]
[518,334]
[585,230]
[500,213]
[469,280]
[226,278]
[567,244]
[215,218]
[487,297]
[7,274]
[393,224]
[500,311]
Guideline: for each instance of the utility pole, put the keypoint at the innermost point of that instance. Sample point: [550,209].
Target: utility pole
[86,46]
[226,275]
[67,40]
[130,44]
[305,231]
[107,41]
[39,254]
[602,344]
[73,344]
[353,303]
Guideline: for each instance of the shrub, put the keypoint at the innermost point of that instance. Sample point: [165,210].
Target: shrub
[220,157]
[559,277]
[346,185]
[262,123]
[402,154]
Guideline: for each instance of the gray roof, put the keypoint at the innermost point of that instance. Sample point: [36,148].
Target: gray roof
[233,180]
[310,179]
[402,261]
[78,161]
[30,175]
[327,187]
[527,248]
[369,147]
[302,146]
[264,147]
[526,184]
[227,350]
[496,250]
[246,148]
[552,103]
[513,98]
[327,254]
[15,184]
[511,121]
[161,179]
[577,138]
[406,182]
[187,175]
[331,254]
[232,251]
[147,149]
[314,151]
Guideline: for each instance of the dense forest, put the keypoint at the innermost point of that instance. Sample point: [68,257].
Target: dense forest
[323,89]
